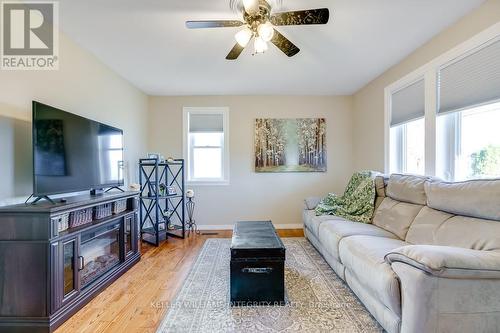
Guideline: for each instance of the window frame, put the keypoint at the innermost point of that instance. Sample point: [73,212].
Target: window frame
[430,73]
[188,148]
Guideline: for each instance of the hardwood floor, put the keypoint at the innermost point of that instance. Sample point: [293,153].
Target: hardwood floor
[135,302]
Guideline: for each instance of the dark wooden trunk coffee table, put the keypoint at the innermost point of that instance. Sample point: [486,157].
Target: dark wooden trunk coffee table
[257,265]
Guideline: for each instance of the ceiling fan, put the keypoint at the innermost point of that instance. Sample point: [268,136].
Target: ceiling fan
[259,22]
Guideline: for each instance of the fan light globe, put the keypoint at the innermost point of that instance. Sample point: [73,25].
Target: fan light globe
[260,45]
[251,6]
[243,37]
[266,31]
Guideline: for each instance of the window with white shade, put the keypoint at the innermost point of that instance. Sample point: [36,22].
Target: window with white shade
[407,129]
[468,121]
[444,118]
[206,146]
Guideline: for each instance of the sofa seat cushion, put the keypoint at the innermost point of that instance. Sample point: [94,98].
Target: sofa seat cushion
[312,222]
[332,232]
[363,257]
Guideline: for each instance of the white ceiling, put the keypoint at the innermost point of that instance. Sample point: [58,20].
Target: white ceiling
[147,43]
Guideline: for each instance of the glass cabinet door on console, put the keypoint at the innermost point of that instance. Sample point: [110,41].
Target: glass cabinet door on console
[99,252]
[129,232]
[70,284]
[64,271]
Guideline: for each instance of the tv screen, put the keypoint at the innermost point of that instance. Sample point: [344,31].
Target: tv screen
[73,153]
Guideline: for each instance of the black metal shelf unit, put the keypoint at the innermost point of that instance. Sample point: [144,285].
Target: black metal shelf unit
[162,215]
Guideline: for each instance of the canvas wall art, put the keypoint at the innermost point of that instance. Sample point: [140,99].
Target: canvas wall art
[290,145]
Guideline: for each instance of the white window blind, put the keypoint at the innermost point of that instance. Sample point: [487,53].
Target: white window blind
[471,81]
[408,103]
[206,123]
[206,145]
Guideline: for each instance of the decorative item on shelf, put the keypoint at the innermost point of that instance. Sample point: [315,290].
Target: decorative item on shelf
[166,215]
[163,190]
[135,187]
[191,223]
[171,190]
[156,156]
[170,160]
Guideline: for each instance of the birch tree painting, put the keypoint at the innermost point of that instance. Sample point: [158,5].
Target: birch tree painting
[290,145]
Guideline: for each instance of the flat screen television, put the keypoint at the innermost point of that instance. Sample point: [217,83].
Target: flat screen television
[73,153]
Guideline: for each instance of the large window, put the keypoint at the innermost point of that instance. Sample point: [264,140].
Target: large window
[444,119]
[206,147]
[469,143]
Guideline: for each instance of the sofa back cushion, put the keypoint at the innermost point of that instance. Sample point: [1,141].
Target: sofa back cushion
[407,188]
[380,186]
[403,198]
[434,227]
[475,198]
[396,216]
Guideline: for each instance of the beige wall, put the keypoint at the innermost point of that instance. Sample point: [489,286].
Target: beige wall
[82,85]
[250,195]
[368,117]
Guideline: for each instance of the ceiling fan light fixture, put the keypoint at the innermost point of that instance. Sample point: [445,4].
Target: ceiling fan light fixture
[260,45]
[243,37]
[251,6]
[266,31]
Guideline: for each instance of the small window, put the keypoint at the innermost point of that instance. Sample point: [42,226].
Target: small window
[408,147]
[206,145]
[407,133]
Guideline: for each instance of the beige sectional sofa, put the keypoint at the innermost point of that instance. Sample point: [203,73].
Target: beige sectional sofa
[430,260]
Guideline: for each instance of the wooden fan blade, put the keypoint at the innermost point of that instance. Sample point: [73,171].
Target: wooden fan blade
[310,16]
[235,52]
[284,44]
[213,24]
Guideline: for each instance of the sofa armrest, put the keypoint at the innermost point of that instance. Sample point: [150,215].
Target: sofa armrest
[312,202]
[449,262]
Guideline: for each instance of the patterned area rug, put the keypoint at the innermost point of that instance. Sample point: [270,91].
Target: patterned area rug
[317,300]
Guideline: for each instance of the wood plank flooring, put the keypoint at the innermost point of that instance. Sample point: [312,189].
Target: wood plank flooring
[136,301]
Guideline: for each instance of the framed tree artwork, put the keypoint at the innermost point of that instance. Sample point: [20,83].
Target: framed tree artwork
[290,145]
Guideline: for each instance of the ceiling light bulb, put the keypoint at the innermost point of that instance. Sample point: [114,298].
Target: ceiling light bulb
[251,6]
[243,37]
[260,45]
[266,31]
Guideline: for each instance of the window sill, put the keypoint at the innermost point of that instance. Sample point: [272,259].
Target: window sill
[207,183]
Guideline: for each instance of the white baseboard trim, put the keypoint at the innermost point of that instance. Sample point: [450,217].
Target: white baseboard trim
[230,226]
